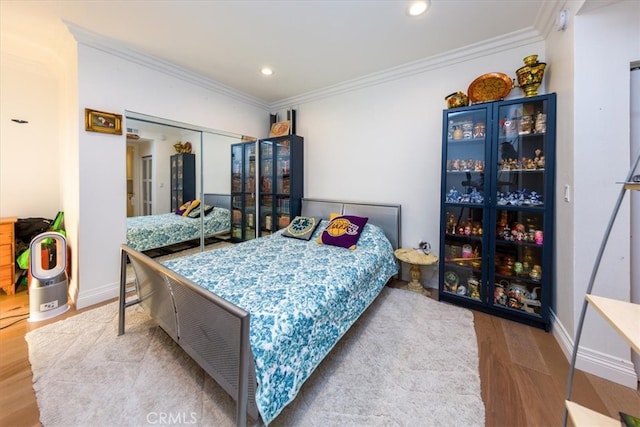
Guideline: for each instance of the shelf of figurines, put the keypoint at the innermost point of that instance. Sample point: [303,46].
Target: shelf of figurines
[469,139]
[516,236]
[470,287]
[525,164]
[519,236]
[511,292]
[517,294]
[510,198]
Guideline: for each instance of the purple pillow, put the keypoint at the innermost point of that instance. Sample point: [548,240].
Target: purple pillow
[343,231]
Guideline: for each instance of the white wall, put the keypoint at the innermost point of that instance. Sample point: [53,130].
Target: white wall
[602,152]
[217,168]
[383,143]
[111,83]
[560,75]
[29,152]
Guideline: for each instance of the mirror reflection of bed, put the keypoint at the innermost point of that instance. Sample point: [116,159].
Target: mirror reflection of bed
[153,227]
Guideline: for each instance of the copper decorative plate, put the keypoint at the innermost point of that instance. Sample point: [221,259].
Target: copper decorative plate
[490,87]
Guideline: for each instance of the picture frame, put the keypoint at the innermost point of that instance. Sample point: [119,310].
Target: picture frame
[103,122]
[280,129]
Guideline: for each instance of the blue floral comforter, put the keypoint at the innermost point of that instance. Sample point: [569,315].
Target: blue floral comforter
[156,231]
[302,297]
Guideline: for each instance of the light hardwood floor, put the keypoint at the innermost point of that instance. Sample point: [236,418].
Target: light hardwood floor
[523,373]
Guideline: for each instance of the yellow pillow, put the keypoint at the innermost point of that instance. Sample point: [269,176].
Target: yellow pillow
[188,207]
[343,231]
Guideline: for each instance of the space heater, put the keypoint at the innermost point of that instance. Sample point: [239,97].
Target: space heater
[48,280]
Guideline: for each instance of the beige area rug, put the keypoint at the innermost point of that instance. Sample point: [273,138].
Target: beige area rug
[408,361]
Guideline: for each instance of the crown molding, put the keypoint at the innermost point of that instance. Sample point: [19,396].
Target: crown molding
[467,53]
[112,47]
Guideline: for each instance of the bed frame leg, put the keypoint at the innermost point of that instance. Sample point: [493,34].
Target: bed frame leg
[243,374]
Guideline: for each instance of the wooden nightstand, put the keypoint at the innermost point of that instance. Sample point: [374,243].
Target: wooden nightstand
[7,255]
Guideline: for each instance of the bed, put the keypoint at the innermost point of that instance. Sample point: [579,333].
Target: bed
[260,316]
[149,232]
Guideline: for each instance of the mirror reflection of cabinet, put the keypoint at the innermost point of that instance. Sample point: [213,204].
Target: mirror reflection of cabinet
[151,142]
[275,174]
[183,179]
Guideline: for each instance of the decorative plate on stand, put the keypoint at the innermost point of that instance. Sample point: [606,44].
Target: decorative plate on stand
[489,87]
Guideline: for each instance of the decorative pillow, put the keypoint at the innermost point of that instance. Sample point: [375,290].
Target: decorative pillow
[187,207]
[183,208]
[302,227]
[195,213]
[343,231]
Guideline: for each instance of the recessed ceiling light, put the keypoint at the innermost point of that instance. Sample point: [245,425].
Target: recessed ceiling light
[266,71]
[418,7]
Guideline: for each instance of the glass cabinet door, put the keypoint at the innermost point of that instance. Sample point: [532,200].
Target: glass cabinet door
[236,168]
[283,183]
[249,168]
[249,191]
[465,154]
[236,216]
[243,191]
[463,251]
[522,182]
[464,206]
[520,154]
[237,193]
[518,260]
[266,187]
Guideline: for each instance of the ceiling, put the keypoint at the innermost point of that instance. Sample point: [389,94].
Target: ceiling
[310,44]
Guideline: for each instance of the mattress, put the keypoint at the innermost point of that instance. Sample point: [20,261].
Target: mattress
[156,231]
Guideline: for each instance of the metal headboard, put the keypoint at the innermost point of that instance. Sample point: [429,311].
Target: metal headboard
[385,216]
[218,200]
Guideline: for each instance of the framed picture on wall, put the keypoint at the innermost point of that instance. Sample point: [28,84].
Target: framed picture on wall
[99,121]
[280,129]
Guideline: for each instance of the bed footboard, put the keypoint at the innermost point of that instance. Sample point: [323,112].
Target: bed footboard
[210,329]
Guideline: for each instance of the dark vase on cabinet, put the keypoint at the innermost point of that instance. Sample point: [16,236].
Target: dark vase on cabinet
[183,179]
[497,208]
[243,191]
[280,181]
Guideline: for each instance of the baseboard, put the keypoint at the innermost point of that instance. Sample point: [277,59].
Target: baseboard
[594,362]
[96,296]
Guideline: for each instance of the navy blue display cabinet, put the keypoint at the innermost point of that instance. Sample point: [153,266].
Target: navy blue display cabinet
[497,208]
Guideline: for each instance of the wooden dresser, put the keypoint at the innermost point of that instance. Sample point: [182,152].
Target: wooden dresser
[7,255]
